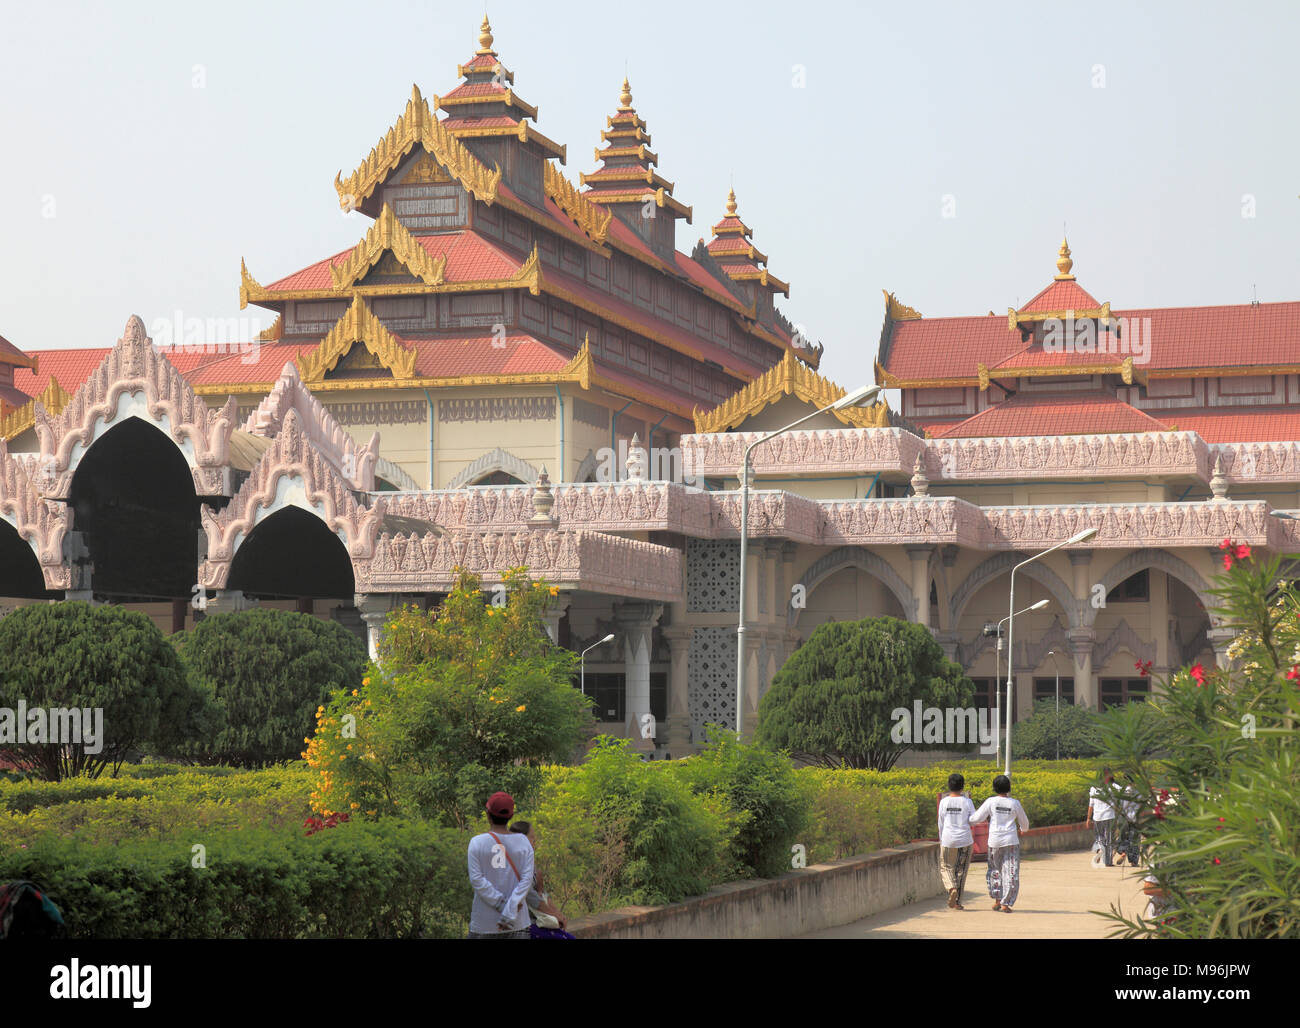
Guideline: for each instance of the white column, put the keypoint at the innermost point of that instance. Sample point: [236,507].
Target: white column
[374,609]
[676,734]
[636,623]
[920,558]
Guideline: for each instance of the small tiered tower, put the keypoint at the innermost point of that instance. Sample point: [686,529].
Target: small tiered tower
[743,263]
[629,186]
[484,113]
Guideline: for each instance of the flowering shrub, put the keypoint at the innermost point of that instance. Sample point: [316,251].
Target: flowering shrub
[466,700]
[1221,814]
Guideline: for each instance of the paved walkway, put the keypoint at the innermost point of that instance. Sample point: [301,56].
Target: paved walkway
[1057,893]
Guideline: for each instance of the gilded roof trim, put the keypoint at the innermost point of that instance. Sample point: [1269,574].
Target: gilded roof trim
[387,233]
[54,398]
[358,325]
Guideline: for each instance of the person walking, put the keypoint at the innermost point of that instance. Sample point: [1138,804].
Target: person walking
[955,839]
[1101,815]
[1004,814]
[501,874]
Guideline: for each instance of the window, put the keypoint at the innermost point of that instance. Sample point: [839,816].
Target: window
[1134,589]
[985,693]
[1045,689]
[610,692]
[1118,691]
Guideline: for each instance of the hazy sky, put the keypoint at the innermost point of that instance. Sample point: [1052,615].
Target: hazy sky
[144,148]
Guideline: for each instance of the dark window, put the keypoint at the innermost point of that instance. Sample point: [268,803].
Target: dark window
[1045,689]
[985,693]
[1134,589]
[1118,691]
[610,692]
[659,695]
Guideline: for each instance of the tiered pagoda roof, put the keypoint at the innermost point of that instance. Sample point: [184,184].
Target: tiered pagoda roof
[628,175]
[738,257]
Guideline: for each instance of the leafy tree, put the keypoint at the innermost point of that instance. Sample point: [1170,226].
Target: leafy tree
[832,703]
[268,671]
[1221,811]
[1043,734]
[105,659]
[468,699]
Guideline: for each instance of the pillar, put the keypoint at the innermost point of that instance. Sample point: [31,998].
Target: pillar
[1158,613]
[1085,690]
[551,619]
[750,720]
[228,601]
[920,558]
[1220,638]
[636,623]
[675,736]
[374,609]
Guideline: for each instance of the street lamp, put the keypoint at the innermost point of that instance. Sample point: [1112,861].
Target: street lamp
[997,665]
[1052,654]
[857,398]
[582,658]
[1078,537]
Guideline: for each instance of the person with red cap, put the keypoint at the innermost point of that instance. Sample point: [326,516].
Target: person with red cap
[501,875]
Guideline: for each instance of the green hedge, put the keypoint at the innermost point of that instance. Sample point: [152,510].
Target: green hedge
[393,879]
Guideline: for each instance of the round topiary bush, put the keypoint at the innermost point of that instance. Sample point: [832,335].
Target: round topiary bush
[268,670]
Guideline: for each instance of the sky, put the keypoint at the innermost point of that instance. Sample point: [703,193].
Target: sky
[933,150]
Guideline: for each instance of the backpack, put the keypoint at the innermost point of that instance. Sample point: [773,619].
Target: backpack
[27,913]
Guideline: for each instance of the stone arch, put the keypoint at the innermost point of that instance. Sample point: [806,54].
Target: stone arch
[292,553]
[387,471]
[1122,638]
[853,557]
[21,574]
[587,469]
[495,460]
[1161,560]
[1002,565]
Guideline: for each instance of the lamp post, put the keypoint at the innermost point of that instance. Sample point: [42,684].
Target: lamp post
[582,660]
[857,398]
[1078,537]
[997,666]
[1052,654]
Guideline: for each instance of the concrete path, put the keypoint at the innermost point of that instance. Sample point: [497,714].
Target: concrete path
[1057,891]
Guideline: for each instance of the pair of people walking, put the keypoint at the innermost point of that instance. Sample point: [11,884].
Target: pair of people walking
[1006,819]
[508,897]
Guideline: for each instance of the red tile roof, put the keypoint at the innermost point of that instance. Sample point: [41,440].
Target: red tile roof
[1062,296]
[518,354]
[9,350]
[1034,356]
[496,121]
[467,89]
[1239,425]
[70,367]
[1091,413]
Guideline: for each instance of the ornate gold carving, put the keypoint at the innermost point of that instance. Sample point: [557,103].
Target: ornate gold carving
[249,288]
[593,220]
[984,377]
[1063,263]
[54,398]
[892,381]
[358,325]
[897,311]
[1015,318]
[388,234]
[417,125]
[275,332]
[424,171]
[791,377]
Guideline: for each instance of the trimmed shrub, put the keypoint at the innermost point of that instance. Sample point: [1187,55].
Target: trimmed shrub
[268,671]
[1074,730]
[73,655]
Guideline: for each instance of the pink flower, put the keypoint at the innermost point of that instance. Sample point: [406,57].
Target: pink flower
[1294,674]
[1243,552]
[1217,860]
[1198,673]
[1143,667]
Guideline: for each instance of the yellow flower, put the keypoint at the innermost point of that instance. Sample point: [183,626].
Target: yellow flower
[521,708]
[555,590]
[364,681]
[356,806]
[354,692]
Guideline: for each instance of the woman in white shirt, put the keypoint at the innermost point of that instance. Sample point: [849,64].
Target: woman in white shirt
[955,839]
[1004,815]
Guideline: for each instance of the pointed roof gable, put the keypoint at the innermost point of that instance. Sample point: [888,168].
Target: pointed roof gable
[739,259]
[791,377]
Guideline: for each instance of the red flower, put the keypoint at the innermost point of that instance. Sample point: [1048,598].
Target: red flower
[1198,673]
[1217,860]
[1227,562]
[1226,544]
[1143,667]
[1243,552]
[1294,673]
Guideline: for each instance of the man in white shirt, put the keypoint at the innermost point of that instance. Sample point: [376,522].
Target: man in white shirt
[501,874]
[1004,815]
[1101,815]
[955,839]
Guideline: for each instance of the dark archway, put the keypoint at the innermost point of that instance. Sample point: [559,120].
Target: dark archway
[20,571]
[133,500]
[289,555]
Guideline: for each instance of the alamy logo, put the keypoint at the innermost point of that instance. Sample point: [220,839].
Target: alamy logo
[1127,336]
[110,981]
[64,726]
[952,726]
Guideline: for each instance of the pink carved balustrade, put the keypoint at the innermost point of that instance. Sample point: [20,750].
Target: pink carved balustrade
[803,452]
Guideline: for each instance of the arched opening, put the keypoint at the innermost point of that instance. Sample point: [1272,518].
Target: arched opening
[132,498]
[498,478]
[849,594]
[292,555]
[20,571]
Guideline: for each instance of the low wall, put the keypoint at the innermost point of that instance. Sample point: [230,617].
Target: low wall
[820,896]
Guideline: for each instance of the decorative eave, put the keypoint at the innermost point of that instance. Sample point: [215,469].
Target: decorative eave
[54,398]
[660,198]
[1124,369]
[387,233]
[275,332]
[789,378]
[763,278]
[507,97]
[632,173]
[613,135]
[358,325]
[417,125]
[891,381]
[590,218]
[641,152]
[524,132]
[1017,318]
[899,311]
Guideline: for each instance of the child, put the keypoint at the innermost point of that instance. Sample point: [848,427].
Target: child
[955,840]
[1003,814]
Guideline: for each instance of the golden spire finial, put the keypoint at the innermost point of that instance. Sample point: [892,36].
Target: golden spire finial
[731,203]
[1064,263]
[625,97]
[485,37]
